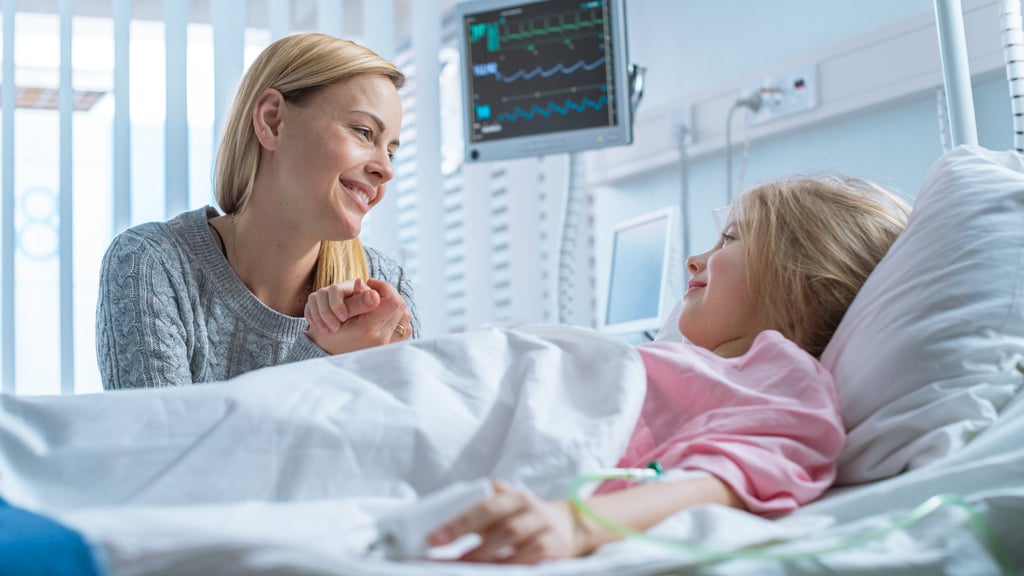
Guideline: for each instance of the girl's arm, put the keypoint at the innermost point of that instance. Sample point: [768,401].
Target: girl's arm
[517,527]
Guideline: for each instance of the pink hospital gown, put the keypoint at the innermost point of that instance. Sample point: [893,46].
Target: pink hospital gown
[766,423]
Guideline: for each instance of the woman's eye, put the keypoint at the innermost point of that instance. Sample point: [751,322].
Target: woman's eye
[727,238]
[364,132]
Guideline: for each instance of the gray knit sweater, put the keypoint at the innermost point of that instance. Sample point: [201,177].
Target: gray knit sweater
[171,310]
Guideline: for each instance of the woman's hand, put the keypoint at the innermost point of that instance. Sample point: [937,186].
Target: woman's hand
[354,315]
[515,527]
[328,307]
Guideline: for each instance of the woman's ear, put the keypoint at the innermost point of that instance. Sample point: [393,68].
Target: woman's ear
[267,116]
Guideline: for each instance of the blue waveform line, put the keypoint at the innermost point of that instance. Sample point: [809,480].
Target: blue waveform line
[552,108]
[551,72]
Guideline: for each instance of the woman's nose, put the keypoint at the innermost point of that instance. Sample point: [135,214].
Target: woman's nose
[381,166]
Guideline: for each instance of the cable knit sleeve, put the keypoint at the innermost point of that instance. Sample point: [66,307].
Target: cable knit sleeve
[141,336]
[386,269]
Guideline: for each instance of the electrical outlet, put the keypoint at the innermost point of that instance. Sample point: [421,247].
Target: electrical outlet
[785,94]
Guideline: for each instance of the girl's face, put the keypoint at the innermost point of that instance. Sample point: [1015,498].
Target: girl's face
[719,312]
[333,155]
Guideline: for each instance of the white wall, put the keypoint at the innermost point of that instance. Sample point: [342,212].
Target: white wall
[699,47]
[691,45]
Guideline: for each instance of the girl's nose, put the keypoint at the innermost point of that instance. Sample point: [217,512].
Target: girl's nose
[696,263]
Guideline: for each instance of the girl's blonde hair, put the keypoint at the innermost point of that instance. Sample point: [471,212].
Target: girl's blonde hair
[810,243]
[297,66]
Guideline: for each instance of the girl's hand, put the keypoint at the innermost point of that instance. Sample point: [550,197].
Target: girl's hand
[515,527]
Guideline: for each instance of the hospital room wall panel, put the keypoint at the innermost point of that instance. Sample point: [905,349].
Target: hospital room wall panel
[900,60]
[692,45]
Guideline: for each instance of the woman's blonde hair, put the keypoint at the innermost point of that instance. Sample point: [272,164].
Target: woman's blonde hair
[297,66]
[810,243]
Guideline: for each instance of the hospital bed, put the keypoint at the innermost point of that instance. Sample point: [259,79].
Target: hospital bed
[929,364]
[287,469]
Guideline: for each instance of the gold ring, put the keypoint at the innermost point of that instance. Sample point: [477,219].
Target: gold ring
[401,331]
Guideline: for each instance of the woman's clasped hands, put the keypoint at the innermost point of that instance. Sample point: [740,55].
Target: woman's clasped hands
[356,314]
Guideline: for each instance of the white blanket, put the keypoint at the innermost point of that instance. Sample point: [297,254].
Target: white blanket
[285,470]
[532,407]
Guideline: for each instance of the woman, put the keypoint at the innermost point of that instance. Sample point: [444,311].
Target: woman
[306,153]
[743,409]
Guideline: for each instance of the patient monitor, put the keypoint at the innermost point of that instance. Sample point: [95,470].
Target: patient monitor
[544,76]
[646,273]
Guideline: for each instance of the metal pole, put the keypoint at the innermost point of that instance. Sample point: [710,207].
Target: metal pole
[956,72]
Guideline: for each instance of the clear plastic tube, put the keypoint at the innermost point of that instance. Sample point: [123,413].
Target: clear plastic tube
[705,555]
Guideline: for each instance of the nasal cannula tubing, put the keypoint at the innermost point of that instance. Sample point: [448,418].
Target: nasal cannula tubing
[706,555]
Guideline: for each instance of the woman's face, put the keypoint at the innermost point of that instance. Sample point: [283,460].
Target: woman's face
[332,157]
[718,310]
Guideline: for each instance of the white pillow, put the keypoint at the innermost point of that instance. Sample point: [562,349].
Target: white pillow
[670,326]
[925,357]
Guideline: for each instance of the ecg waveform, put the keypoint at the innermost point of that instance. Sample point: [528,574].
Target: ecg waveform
[553,108]
[540,68]
[491,69]
[496,40]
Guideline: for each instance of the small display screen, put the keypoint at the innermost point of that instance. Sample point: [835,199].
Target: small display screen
[540,68]
[638,257]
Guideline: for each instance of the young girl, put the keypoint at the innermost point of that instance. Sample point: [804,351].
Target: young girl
[743,407]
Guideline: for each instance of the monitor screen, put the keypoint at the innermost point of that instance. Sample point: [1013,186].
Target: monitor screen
[640,284]
[543,77]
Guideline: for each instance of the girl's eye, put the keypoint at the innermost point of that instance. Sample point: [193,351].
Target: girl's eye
[727,238]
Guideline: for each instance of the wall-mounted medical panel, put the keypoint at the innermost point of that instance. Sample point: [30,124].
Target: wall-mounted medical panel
[786,94]
[888,66]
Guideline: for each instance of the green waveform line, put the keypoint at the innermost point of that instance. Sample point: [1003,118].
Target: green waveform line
[492,32]
[558,28]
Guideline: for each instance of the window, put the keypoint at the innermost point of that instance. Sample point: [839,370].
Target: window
[34,361]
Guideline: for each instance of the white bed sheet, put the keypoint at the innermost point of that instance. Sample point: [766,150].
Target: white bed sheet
[203,505]
[330,537]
